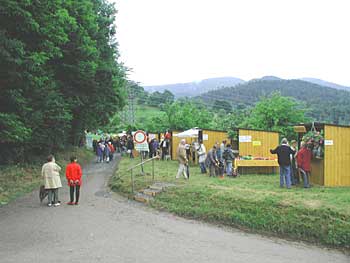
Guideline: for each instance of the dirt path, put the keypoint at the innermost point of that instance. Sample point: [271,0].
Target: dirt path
[108,228]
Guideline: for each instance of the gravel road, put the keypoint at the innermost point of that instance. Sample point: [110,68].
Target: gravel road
[105,227]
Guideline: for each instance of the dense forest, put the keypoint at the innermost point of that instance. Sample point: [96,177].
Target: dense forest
[320,103]
[59,73]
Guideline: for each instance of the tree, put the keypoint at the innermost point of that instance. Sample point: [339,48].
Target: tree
[185,115]
[276,113]
[59,73]
[222,105]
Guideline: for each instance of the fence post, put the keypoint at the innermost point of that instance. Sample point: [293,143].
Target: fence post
[152,170]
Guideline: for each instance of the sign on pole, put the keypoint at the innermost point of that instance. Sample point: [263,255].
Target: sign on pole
[140,136]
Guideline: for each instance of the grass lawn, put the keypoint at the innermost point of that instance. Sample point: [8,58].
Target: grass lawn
[144,113]
[16,180]
[254,202]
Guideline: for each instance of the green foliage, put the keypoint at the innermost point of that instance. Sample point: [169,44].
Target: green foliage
[222,105]
[59,72]
[321,103]
[276,113]
[185,115]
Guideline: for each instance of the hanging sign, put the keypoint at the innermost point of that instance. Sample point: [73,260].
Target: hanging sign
[245,138]
[256,143]
[205,137]
[328,142]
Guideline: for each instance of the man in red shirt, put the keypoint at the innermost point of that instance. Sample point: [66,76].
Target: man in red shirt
[304,156]
[73,175]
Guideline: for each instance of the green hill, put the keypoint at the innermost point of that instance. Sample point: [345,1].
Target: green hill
[321,103]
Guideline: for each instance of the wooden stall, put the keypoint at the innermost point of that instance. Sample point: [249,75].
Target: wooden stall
[254,151]
[333,169]
[209,137]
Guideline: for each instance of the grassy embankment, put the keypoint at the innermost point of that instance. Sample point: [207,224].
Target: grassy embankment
[253,202]
[16,180]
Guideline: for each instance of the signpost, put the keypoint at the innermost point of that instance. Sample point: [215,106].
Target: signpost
[141,145]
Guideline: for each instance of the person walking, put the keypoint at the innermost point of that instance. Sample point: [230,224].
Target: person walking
[50,172]
[73,175]
[283,152]
[182,158]
[304,157]
[202,155]
[99,151]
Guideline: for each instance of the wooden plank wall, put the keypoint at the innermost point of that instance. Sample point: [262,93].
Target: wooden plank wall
[213,137]
[337,156]
[269,140]
[317,172]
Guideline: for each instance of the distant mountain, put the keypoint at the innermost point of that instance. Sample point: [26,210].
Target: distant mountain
[192,89]
[326,83]
[322,103]
[267,78]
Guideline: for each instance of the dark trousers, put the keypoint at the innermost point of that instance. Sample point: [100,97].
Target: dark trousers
[75,188]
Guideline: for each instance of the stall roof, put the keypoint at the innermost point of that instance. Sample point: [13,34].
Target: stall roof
[191,133]
[320,125]
[250,129]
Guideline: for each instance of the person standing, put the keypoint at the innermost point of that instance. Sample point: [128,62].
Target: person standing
[202,155]
[164,146]
[213,162]
[229,157]
[130,146]
[283,152]
[52,180]
[293,168]
[304,157]
[73,175]
[182,158]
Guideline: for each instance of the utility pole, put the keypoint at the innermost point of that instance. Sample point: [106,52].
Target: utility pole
[131,105]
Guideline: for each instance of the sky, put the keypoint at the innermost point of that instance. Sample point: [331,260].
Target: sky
[176,41]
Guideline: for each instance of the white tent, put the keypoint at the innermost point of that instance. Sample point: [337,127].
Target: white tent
[191,133]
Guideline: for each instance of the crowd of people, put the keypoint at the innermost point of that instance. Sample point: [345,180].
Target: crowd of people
[218,160]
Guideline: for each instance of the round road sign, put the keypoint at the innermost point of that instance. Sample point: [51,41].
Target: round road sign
[140,136]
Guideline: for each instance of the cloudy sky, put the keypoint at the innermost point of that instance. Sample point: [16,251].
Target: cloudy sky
[172,41]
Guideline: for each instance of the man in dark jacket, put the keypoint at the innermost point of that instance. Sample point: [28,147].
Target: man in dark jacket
[130,146]
[283,152]
[229,158]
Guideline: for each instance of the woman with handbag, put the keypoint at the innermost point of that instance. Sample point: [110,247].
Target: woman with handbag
[52,180]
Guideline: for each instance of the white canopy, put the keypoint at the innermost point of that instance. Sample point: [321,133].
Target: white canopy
[191,133]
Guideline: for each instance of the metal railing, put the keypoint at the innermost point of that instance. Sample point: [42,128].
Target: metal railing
[142,171]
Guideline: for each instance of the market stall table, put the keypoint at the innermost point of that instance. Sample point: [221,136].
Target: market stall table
[257,166]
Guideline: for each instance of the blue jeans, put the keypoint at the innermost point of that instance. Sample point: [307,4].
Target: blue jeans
[285,176]
[203,169]
[306,176]
[229,169]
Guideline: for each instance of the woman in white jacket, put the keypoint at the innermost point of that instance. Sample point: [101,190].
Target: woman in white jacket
[52,180]
[202,155]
